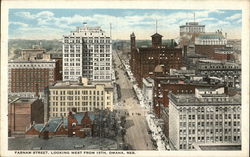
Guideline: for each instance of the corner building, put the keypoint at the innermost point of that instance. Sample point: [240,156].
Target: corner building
[87,52]
[145,59]
[80,96]
[208,116]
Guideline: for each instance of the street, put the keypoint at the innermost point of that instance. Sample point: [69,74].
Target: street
[136,126]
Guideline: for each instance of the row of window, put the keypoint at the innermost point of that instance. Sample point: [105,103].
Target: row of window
[210,116]
[84,92]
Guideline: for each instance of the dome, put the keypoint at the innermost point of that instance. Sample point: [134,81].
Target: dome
[158,69]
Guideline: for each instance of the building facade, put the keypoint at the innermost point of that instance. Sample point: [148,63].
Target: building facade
[213,45]
[82,96]
[208,116]
[87,52]
[228,72]
[32,54]
[23,112]
[144,60]
[29,78]
[147,90]
[189,32]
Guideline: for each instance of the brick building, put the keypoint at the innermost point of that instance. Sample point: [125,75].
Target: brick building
[23,112]
[59,64]
[213,45]
[144,60]
[101,123]
[29,78]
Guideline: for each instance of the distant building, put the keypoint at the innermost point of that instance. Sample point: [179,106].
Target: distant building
[213,45]
[29,78]
[228,72]
[82,96]
[189,32]
[23,112]
[144,60]
[208,116]
[32,54]
[87,52]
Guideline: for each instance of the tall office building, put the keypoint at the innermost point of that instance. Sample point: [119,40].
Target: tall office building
[207,117]
[87,52]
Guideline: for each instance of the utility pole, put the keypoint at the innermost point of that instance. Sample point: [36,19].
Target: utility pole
[156,26]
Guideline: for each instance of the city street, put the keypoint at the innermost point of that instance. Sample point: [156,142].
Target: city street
[136,126]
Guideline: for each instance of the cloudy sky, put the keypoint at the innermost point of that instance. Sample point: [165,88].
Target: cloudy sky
[53,23]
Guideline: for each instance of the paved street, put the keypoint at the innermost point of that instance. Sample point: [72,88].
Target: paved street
[137,135]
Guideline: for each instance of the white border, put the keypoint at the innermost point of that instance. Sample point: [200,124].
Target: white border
[173,4]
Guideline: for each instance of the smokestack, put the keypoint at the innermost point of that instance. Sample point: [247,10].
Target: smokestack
[37,91]
[226,35]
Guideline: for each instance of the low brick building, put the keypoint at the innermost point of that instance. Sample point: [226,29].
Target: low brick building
[23,112]
[100,123]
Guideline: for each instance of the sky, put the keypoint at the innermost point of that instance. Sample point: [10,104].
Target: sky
[54,23]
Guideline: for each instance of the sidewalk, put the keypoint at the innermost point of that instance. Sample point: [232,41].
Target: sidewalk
[157,133]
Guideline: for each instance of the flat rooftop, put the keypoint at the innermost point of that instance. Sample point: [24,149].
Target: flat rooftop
[24,100]
[217,146]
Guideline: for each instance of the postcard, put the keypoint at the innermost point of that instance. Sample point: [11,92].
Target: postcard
[125,78]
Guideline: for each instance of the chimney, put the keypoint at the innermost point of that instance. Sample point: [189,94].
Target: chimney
[226,35]
[185,51]
[37,91]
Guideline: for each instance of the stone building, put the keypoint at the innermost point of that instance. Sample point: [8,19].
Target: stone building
[208,116]
[189,32]
[145,59]
[83,95]
[32,54]
[23,112]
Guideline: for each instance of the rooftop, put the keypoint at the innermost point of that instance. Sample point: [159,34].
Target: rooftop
[191,100]
[213,35]
[76,84]
[31,61]
[24,100]
[217,146]
[156,35]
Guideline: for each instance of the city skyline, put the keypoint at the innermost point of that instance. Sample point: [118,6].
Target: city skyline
[53,23]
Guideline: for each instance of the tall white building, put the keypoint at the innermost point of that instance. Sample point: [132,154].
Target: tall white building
[87,52]
[210,116]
